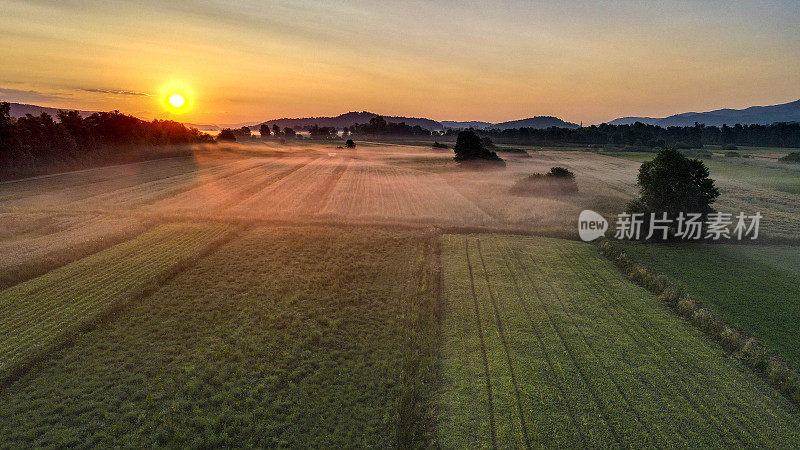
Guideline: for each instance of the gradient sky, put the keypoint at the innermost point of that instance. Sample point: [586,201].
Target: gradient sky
[447,60]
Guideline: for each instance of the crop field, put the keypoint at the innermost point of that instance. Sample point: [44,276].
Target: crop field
[38,313]
[755,288]
[301,295]
[545,343]
[283,336]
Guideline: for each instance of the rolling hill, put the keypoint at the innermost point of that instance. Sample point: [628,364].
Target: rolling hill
[764,115]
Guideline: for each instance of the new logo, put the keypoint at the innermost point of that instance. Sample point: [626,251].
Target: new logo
[591,225]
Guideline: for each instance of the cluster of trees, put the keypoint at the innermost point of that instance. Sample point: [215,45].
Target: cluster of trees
[36,139]
[470,147]
[642,135]
[378,126]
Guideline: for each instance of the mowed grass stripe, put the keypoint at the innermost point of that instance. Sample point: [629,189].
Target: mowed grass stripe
[37,313]
[706,382]
[704,400]
[650,411]
[617,366]
[464,370]
[283,337]
[627,428]
[479,323]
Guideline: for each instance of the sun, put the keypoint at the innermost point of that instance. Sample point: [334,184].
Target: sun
[176,97]
[177,100]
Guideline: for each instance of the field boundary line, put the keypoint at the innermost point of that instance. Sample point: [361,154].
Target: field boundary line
[503,339]
[483,345]
[11,374]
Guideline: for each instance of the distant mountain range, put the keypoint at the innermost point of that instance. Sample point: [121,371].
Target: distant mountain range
[533,122]
[348,119]
[764,115]
[20,109]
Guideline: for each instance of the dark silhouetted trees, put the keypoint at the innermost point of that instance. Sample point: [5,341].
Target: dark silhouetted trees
[226,135]
[350,144]
[672,183]
[39,139]
[263,129]
[470,147]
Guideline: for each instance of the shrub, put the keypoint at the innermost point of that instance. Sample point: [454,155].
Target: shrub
[791,157]
[557,181]
[439,145]
[732,154]
[226,135]
[350,143]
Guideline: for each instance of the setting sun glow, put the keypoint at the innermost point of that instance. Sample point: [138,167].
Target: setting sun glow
[177,100]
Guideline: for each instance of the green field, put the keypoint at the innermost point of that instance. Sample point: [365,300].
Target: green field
[754,288]
[545,343]
[769,175]
[282,337]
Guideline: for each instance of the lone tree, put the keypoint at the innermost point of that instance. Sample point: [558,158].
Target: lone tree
[470,147]
[226,135]
[673,183]
[350,144]
[264,130]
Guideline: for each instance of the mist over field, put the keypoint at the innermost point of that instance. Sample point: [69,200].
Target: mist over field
[399,224]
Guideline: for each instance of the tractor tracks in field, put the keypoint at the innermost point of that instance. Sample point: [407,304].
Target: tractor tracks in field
[483,347]
[591,388]
[551,374]
[504,340]
[254,189]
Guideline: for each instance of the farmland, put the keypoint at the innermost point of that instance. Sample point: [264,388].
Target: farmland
[545,343]
[756,291]
[302,295]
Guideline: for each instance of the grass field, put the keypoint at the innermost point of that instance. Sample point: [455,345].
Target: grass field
[281,337]
[755,288]
[545,343]
[300,295]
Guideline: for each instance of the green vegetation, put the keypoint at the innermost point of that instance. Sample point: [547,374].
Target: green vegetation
[302,337]
[545,343]
[753,288]
[43,313]
[673,184]
[557,181]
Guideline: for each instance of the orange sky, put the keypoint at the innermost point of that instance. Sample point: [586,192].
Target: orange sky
[445,60]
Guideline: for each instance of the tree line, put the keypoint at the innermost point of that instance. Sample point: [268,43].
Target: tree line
[653,136]
[31,140]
